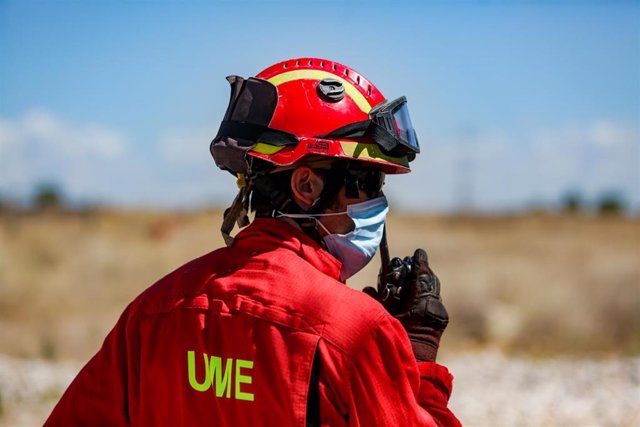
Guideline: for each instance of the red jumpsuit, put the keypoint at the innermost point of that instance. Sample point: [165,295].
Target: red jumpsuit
[230,339]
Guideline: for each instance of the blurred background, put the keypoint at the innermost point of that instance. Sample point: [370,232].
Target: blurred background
[526,193]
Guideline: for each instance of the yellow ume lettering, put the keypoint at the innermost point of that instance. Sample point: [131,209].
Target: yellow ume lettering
[214,373]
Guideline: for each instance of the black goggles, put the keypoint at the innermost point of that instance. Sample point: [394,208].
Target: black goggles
[389,126]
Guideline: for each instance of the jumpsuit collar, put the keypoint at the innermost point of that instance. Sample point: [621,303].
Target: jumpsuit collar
[283,235]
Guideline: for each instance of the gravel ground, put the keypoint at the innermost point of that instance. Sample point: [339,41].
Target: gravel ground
[493,390]
[30,388]
[490,390]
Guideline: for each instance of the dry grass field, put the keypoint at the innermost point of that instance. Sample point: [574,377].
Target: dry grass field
[524,286]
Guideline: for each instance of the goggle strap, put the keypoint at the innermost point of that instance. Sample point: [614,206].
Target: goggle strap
[365,129]
[381,136]
[352,130]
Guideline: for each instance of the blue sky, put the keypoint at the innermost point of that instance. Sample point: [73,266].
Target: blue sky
[515,103]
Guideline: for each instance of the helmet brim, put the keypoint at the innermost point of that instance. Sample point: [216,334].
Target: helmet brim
[366,152]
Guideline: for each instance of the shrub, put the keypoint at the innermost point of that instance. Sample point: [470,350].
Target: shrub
[47,196]
[611,203]
[572,202]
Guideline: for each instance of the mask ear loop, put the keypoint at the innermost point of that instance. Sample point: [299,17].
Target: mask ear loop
[308,216]
[318,222]
[313,217]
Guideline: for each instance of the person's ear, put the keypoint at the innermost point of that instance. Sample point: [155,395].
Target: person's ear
[306,186]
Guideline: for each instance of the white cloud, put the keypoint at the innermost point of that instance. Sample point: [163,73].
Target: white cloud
[487,170]
[601,156]
[189,170]
[39,146]
[606,133]
[95,163]
[187,146]
[74,140]
[498,169]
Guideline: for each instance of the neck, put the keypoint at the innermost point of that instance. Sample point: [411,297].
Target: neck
[308,229]
[290,221]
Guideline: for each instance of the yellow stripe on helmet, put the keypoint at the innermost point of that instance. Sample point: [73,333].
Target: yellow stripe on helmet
[359,150]
[351,90]
[268,149]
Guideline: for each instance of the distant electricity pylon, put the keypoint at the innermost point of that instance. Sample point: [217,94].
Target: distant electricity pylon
[464,166]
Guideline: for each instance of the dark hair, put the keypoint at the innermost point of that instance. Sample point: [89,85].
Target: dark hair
[263,204]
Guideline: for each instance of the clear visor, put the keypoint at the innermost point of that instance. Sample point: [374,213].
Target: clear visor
[404,128]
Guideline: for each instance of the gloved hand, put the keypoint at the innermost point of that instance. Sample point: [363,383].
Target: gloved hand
[411,293]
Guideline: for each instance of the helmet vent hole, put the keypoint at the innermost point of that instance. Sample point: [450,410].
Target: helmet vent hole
[286,65]
[310,62]
[358,79]
[369,90]
[297,63]
[322,64]
[346,72]
[333,67]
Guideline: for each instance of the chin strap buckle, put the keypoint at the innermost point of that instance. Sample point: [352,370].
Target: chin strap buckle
[237,213]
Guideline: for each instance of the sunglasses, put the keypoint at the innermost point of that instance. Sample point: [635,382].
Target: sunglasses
[356,179]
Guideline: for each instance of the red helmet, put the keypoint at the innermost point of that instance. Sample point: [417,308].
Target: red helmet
[311,108]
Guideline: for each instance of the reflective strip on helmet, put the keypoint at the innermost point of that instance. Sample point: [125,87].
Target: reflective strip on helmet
[351,90]
[263,148]
[359,150]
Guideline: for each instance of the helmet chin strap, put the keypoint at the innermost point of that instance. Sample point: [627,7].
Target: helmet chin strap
[238,211]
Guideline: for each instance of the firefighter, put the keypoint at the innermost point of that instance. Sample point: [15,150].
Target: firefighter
[264,332]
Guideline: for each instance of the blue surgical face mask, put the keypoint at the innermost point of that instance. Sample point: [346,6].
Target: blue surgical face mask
[355,249]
